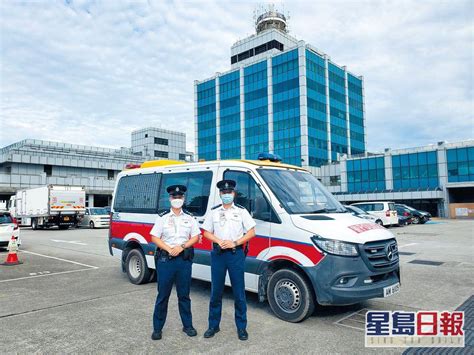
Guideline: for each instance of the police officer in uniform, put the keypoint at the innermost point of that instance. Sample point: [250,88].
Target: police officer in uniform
[229,227]
[174,233]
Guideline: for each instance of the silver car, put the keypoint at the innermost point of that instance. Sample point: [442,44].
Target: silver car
[95,217]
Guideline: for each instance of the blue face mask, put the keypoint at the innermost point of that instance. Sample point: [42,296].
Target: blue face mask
[227,198]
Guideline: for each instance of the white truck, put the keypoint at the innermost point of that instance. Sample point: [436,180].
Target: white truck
[48,206]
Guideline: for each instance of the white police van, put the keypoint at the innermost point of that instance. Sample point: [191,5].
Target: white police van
[308,247]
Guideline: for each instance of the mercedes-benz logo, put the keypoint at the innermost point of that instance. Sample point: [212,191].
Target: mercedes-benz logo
[389,251]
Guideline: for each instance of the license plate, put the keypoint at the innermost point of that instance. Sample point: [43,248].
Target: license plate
[391,290]
[66,218]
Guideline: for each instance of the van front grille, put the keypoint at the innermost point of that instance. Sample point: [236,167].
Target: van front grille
[380,255]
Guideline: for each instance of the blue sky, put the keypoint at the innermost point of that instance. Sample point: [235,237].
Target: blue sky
[90,72]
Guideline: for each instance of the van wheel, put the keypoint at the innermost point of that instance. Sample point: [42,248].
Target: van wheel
[136,267]
[63,227]
[34,224]
[91,225]
[379,222]
[290,296]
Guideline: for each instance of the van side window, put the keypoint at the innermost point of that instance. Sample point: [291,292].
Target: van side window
[364,207]
[250,196]
[137,193]
[198,185]
[378,207]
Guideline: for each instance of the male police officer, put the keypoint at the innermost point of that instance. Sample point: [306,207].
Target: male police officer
[229,227]
[174,233]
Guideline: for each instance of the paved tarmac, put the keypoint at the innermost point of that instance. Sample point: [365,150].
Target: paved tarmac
[69,295]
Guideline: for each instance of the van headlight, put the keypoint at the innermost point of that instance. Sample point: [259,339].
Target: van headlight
[335,247]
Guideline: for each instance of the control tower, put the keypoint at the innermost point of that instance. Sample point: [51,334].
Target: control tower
[271,37]
[271,19]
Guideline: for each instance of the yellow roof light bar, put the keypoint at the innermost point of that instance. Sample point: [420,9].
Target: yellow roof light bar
[155,163]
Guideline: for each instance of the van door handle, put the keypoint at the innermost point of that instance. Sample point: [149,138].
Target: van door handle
[200,222]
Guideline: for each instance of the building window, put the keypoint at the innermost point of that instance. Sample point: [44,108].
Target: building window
[257,50]
[182,157]
[110,174]
[161,154]
[335,180]
[146,135]
[48,169]
[460,164]
[161,141]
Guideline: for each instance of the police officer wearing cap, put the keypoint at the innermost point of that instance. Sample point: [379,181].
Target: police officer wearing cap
[174,233]
[229,226]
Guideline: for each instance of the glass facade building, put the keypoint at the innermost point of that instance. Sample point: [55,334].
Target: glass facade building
[438,178]
[286,98]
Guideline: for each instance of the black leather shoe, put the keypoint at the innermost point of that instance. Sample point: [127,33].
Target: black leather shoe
[190,332]
[211,332]
[156,335]
[243,335]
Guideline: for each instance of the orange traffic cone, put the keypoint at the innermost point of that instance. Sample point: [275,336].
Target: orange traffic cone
[12,257]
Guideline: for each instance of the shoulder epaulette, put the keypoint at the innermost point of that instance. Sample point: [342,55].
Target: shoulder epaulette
[162,212]
[188,213]
[213,208]
[239,206]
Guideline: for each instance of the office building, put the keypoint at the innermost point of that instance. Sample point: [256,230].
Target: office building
[33,162]
[438,178]
[281,96]
[156,144]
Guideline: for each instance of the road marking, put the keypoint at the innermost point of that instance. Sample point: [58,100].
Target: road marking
[39,273]
[50,274]
[347,317]
[60,259]
[68,241]
[407,245]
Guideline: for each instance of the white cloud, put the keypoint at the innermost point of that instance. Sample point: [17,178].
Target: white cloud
[90,72]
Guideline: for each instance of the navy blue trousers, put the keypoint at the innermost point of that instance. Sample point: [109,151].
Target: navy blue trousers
[172,271]
[234,263]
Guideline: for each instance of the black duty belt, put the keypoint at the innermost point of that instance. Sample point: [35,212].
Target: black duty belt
[217,248]
[186,254]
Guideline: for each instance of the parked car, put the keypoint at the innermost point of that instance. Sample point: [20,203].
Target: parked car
[358,212]
[8,228]
[405,216]
[95,217]
[419,217]
[384,210]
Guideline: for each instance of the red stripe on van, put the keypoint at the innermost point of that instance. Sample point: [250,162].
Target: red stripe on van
[119,229]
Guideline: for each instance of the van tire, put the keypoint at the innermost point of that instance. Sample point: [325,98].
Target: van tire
[63,227]
[379,222]
[91,225]
[290,296]
[136,268]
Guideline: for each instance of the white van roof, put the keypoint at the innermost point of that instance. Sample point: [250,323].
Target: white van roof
[234,162]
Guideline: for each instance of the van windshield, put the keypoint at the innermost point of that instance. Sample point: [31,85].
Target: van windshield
[300,192]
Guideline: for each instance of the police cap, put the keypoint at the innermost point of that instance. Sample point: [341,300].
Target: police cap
[226,185]
[176,190]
